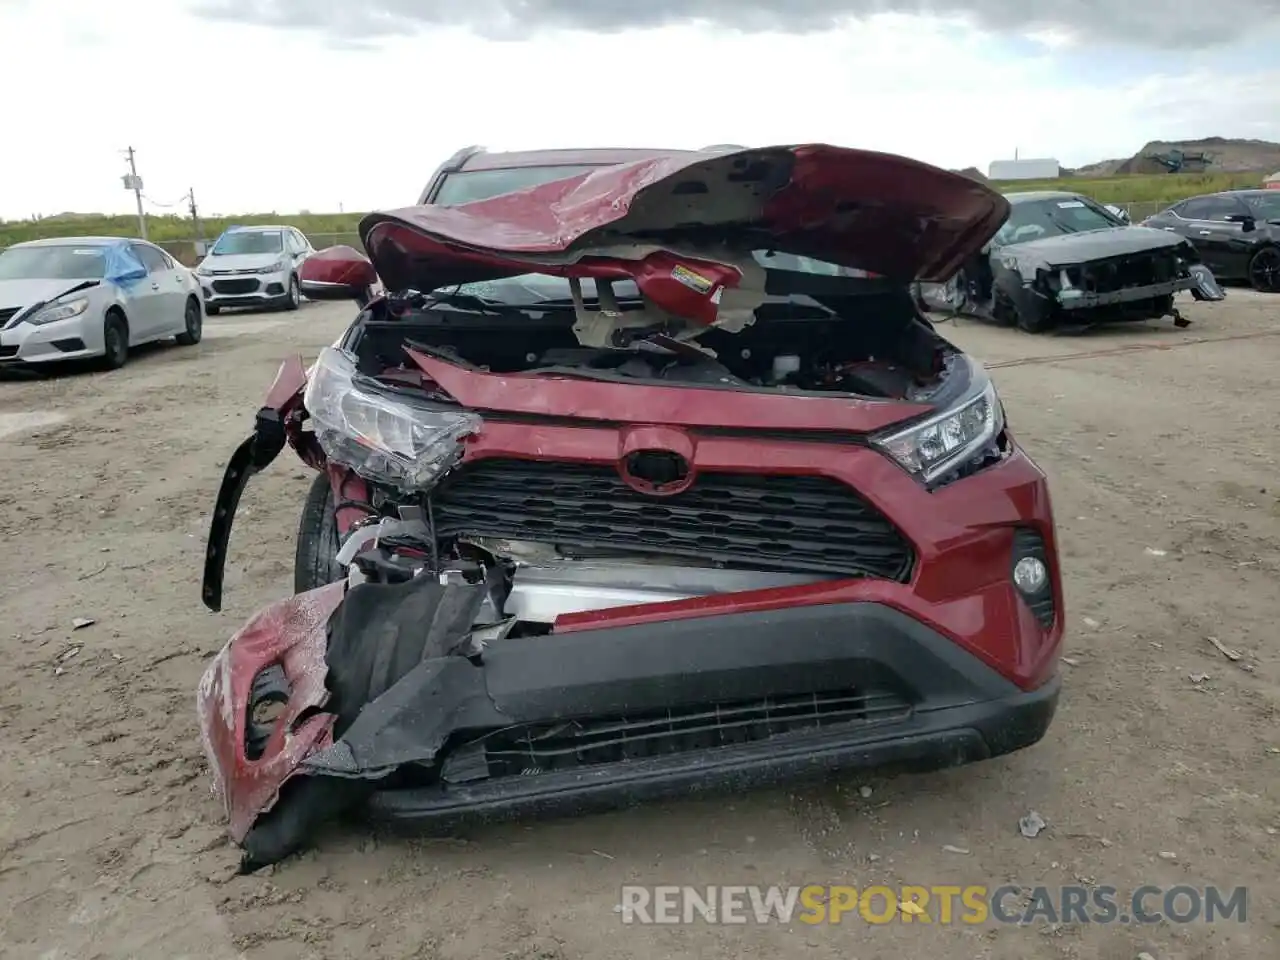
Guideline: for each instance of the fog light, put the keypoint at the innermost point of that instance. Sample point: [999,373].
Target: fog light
[1030,575]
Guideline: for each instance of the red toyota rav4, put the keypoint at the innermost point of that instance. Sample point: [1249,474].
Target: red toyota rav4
[642,474]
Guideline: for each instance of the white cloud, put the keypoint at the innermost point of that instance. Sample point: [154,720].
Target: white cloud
[1053,38]
[1169,24]
[262,119]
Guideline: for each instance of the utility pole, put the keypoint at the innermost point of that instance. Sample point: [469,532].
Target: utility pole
[134,182]
[195,217]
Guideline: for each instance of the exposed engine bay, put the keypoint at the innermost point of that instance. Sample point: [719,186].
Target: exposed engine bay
[796,343]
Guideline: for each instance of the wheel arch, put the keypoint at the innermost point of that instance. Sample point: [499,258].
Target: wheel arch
[116,309]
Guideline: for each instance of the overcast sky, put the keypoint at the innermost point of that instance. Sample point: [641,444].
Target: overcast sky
[286,105]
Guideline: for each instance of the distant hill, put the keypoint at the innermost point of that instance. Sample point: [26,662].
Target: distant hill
[1222,155]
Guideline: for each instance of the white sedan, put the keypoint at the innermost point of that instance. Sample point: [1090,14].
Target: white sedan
[79,298]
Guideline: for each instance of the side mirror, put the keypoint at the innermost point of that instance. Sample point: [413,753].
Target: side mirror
[1246,221]
[337,273]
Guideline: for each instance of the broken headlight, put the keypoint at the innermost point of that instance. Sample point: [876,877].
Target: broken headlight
[948,440]
[387,438]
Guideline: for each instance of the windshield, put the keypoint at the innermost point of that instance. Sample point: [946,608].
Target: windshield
[248,241]
[470,186]
[1033,219]
[1264,206]
[53,263]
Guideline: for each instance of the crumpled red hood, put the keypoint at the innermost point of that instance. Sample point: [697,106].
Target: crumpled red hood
[683,225]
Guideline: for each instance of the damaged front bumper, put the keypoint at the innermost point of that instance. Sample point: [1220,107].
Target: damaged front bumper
[1201,282]
[370,709]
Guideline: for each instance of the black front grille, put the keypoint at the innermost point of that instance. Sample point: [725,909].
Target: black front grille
[235,286]
[7,314]
[529,749]
[1136,270]
[779,523]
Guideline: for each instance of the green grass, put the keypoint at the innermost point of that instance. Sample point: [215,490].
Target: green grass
[169,228]
[177,234]
[1146,193]
[1167,188]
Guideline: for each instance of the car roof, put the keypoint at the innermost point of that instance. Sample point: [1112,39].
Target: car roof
[77,241]
[480,159]
[1031,196]
[257,227]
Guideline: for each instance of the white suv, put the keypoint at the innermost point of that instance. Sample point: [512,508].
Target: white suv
[254,267]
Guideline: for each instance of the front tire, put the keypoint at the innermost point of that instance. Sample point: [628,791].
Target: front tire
[293,299]
[1011,313]
[115,340]
[1264,270]
[194,324]
[315,559]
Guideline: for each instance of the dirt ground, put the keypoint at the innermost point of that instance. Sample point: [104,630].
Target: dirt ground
[1162,766]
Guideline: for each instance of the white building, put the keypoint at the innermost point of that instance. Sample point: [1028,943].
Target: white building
[1046,169]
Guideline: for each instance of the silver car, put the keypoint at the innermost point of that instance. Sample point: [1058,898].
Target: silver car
[254,267]
[76,298]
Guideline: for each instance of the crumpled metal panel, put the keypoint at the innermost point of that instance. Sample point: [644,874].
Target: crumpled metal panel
[292,633]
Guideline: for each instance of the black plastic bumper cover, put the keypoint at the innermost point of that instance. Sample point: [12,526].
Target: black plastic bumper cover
[961,710]
[254,454]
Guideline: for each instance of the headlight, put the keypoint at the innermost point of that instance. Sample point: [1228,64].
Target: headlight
[61,311]
[394,440]
[276,267]
[949,439]
[203,271]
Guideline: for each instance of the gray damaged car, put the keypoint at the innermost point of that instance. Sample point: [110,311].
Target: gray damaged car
[1062,261]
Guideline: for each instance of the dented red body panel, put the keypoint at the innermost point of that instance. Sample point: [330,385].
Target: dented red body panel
[291,633]
[675,406]
[339,265]
[858,208]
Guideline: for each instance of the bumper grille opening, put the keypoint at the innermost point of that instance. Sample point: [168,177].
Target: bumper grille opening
[1140,270]
[9,351]
[235,286]
[780,523]
[1029,543]
[531,749]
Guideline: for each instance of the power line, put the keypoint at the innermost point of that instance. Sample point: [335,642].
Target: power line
[158,203]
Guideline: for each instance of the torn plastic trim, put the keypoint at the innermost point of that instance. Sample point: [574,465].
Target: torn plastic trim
[252,456]
[272,430]
[379,658]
